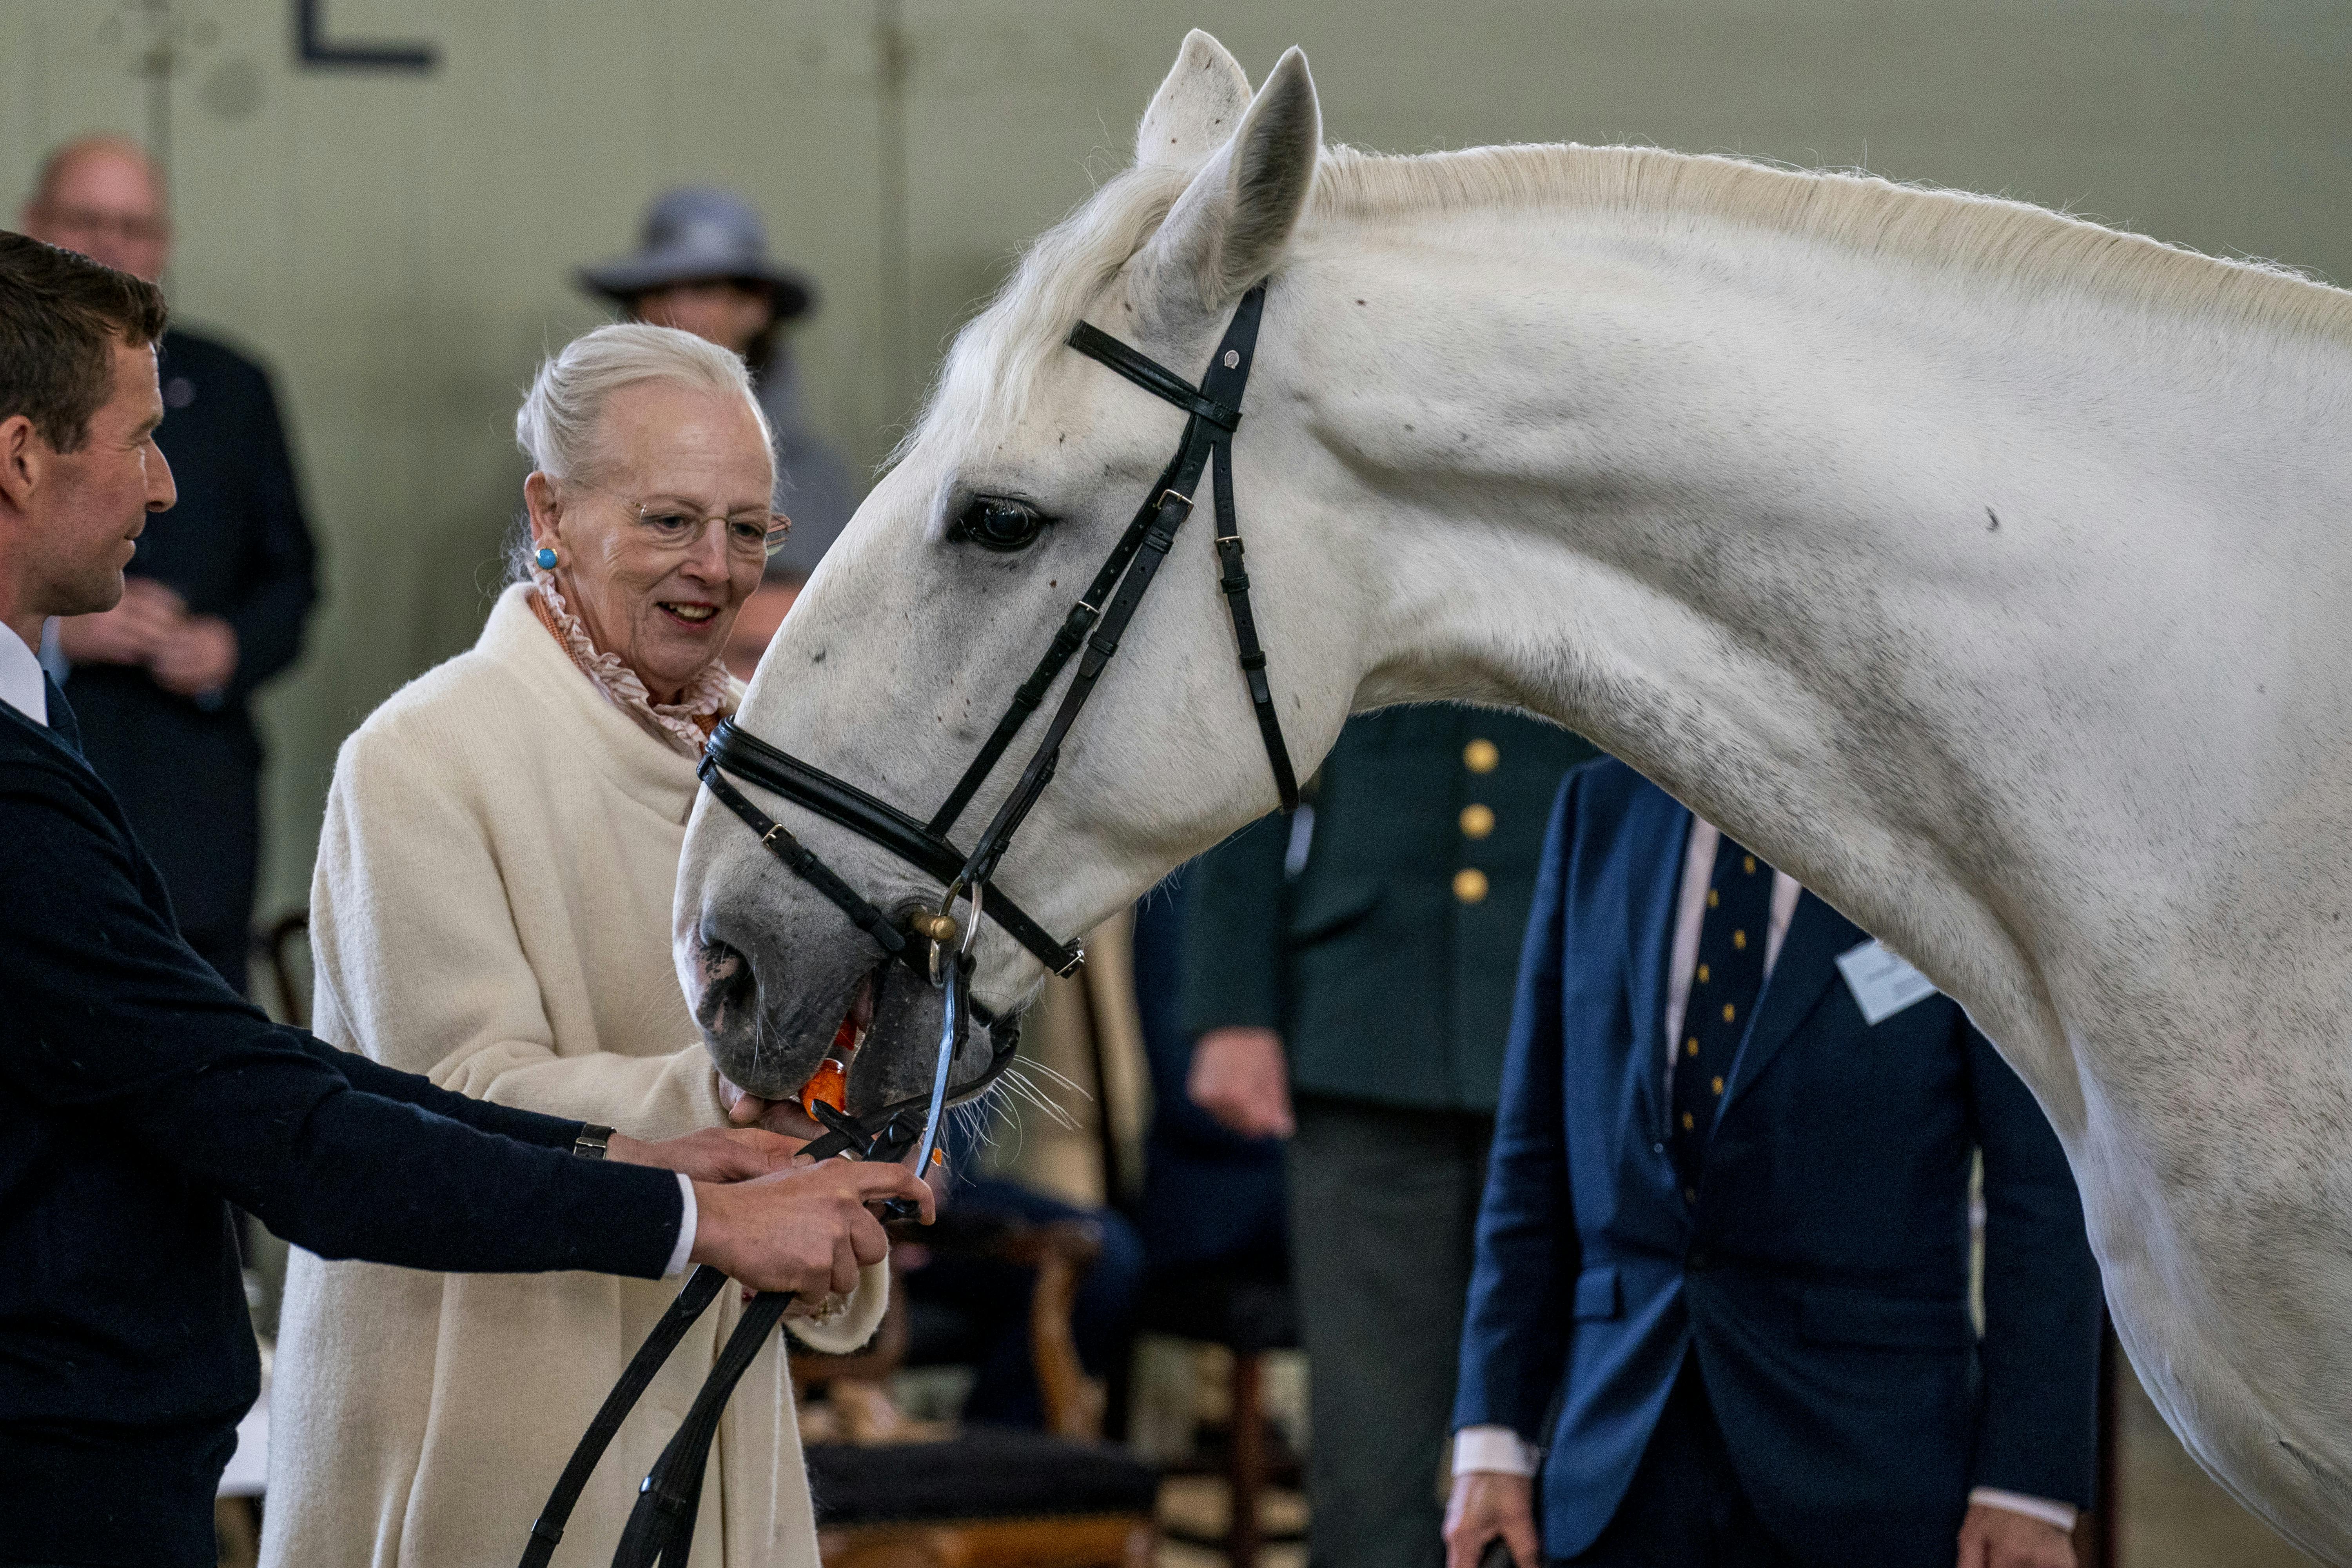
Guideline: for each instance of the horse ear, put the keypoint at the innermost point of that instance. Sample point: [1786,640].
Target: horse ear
[1228,229]
[1196,109]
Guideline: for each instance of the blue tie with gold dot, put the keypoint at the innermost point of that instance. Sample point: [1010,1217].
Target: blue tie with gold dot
[1723,988]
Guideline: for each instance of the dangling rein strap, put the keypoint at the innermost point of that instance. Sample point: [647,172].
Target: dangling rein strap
[672,1490]
[1215,413]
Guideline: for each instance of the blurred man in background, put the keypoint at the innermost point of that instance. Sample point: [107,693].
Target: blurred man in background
[1348,978]
[702,266]
[215,599]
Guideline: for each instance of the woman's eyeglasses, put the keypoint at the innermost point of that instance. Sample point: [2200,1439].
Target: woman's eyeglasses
[673,524]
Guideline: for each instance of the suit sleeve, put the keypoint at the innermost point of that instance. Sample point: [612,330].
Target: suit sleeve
[1514,1342]
[1231,975]
[279,573]
[2038,1433]
[113,1019]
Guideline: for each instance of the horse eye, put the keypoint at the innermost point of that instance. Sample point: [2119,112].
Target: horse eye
[992,522]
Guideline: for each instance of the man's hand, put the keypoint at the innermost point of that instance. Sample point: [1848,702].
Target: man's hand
[1487,1504]
[196,656]
[806,1229]
[1239,1077]
[712,1154]
[1999,1538]
[128,634]
[784,1116]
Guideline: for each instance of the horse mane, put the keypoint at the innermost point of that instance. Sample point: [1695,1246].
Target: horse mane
[998,357]
[2009,240]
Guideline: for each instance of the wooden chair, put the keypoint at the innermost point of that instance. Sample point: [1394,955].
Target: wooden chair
[985,1497]
[1249,1314]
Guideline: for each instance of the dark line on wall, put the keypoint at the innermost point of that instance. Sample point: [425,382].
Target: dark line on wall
[314,48]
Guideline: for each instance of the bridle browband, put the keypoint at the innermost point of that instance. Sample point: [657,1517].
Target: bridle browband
[661,1526]
[1091,632]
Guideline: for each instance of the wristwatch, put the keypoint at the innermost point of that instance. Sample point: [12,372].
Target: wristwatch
[593,1142]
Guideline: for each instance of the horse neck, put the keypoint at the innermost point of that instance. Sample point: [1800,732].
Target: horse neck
[1892,574]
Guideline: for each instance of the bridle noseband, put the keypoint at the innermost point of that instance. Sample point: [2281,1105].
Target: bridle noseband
[661,1526]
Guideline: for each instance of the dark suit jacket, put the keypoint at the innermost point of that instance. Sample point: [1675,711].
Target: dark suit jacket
[137,1094]
[236,546]
[1389,980]
[1823,1275]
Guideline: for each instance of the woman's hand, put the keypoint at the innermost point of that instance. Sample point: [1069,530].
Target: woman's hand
[712,1154]
[780,1116]
[805,1229]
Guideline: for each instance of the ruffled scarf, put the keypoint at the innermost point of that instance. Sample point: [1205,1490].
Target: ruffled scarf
[683,725]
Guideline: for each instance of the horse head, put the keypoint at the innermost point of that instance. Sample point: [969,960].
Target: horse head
[909,642]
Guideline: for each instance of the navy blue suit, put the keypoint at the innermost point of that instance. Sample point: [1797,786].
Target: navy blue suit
[1820,1277]
[138,1096]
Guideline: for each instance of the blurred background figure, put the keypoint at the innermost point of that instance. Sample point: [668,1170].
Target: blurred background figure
[971,1304]
[1348,979]
[702,266]
[216,600]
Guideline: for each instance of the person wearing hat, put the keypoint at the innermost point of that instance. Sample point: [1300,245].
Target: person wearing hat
[702,266]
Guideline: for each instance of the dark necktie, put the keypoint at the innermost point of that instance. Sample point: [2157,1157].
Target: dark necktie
[1723,988]
[62,722]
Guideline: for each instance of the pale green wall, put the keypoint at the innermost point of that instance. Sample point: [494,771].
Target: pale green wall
[399,246]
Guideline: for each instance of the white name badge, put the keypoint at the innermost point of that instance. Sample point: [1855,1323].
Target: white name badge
[1881,983]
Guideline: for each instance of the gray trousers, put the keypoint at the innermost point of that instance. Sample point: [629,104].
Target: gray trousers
[1383,1204]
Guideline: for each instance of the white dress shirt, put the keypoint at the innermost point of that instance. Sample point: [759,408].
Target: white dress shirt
[21,685]
[687,1218]
[1498,1448]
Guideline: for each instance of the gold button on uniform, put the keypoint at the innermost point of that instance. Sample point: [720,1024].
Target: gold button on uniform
[1718,1085]
[1477,821]
[1482,756]
[1470,884]
[1702,975]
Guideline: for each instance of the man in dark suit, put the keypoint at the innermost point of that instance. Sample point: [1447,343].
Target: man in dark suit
[1357,1006]
[139,1094]
[216,597]
[1729,1298]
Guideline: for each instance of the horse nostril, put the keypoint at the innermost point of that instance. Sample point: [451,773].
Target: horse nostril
[729,988]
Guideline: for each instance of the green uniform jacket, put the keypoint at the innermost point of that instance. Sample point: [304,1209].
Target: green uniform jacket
[1388,962]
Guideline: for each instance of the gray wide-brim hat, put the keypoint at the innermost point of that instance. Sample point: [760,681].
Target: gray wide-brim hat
[697,235]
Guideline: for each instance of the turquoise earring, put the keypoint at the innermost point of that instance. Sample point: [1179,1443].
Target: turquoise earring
[546,559]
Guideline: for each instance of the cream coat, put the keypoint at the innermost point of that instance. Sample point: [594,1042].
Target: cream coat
[491,907]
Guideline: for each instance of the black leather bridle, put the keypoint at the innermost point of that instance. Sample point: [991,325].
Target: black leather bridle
[661,1527]
[1095,623]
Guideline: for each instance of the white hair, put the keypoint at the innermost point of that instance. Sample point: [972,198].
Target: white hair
[557,426]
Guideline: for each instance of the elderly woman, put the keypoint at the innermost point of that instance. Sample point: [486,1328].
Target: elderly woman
[492,906]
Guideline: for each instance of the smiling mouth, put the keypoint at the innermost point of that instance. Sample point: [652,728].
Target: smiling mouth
[691,615]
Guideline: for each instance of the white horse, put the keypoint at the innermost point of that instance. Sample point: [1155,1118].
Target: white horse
[1984,568]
